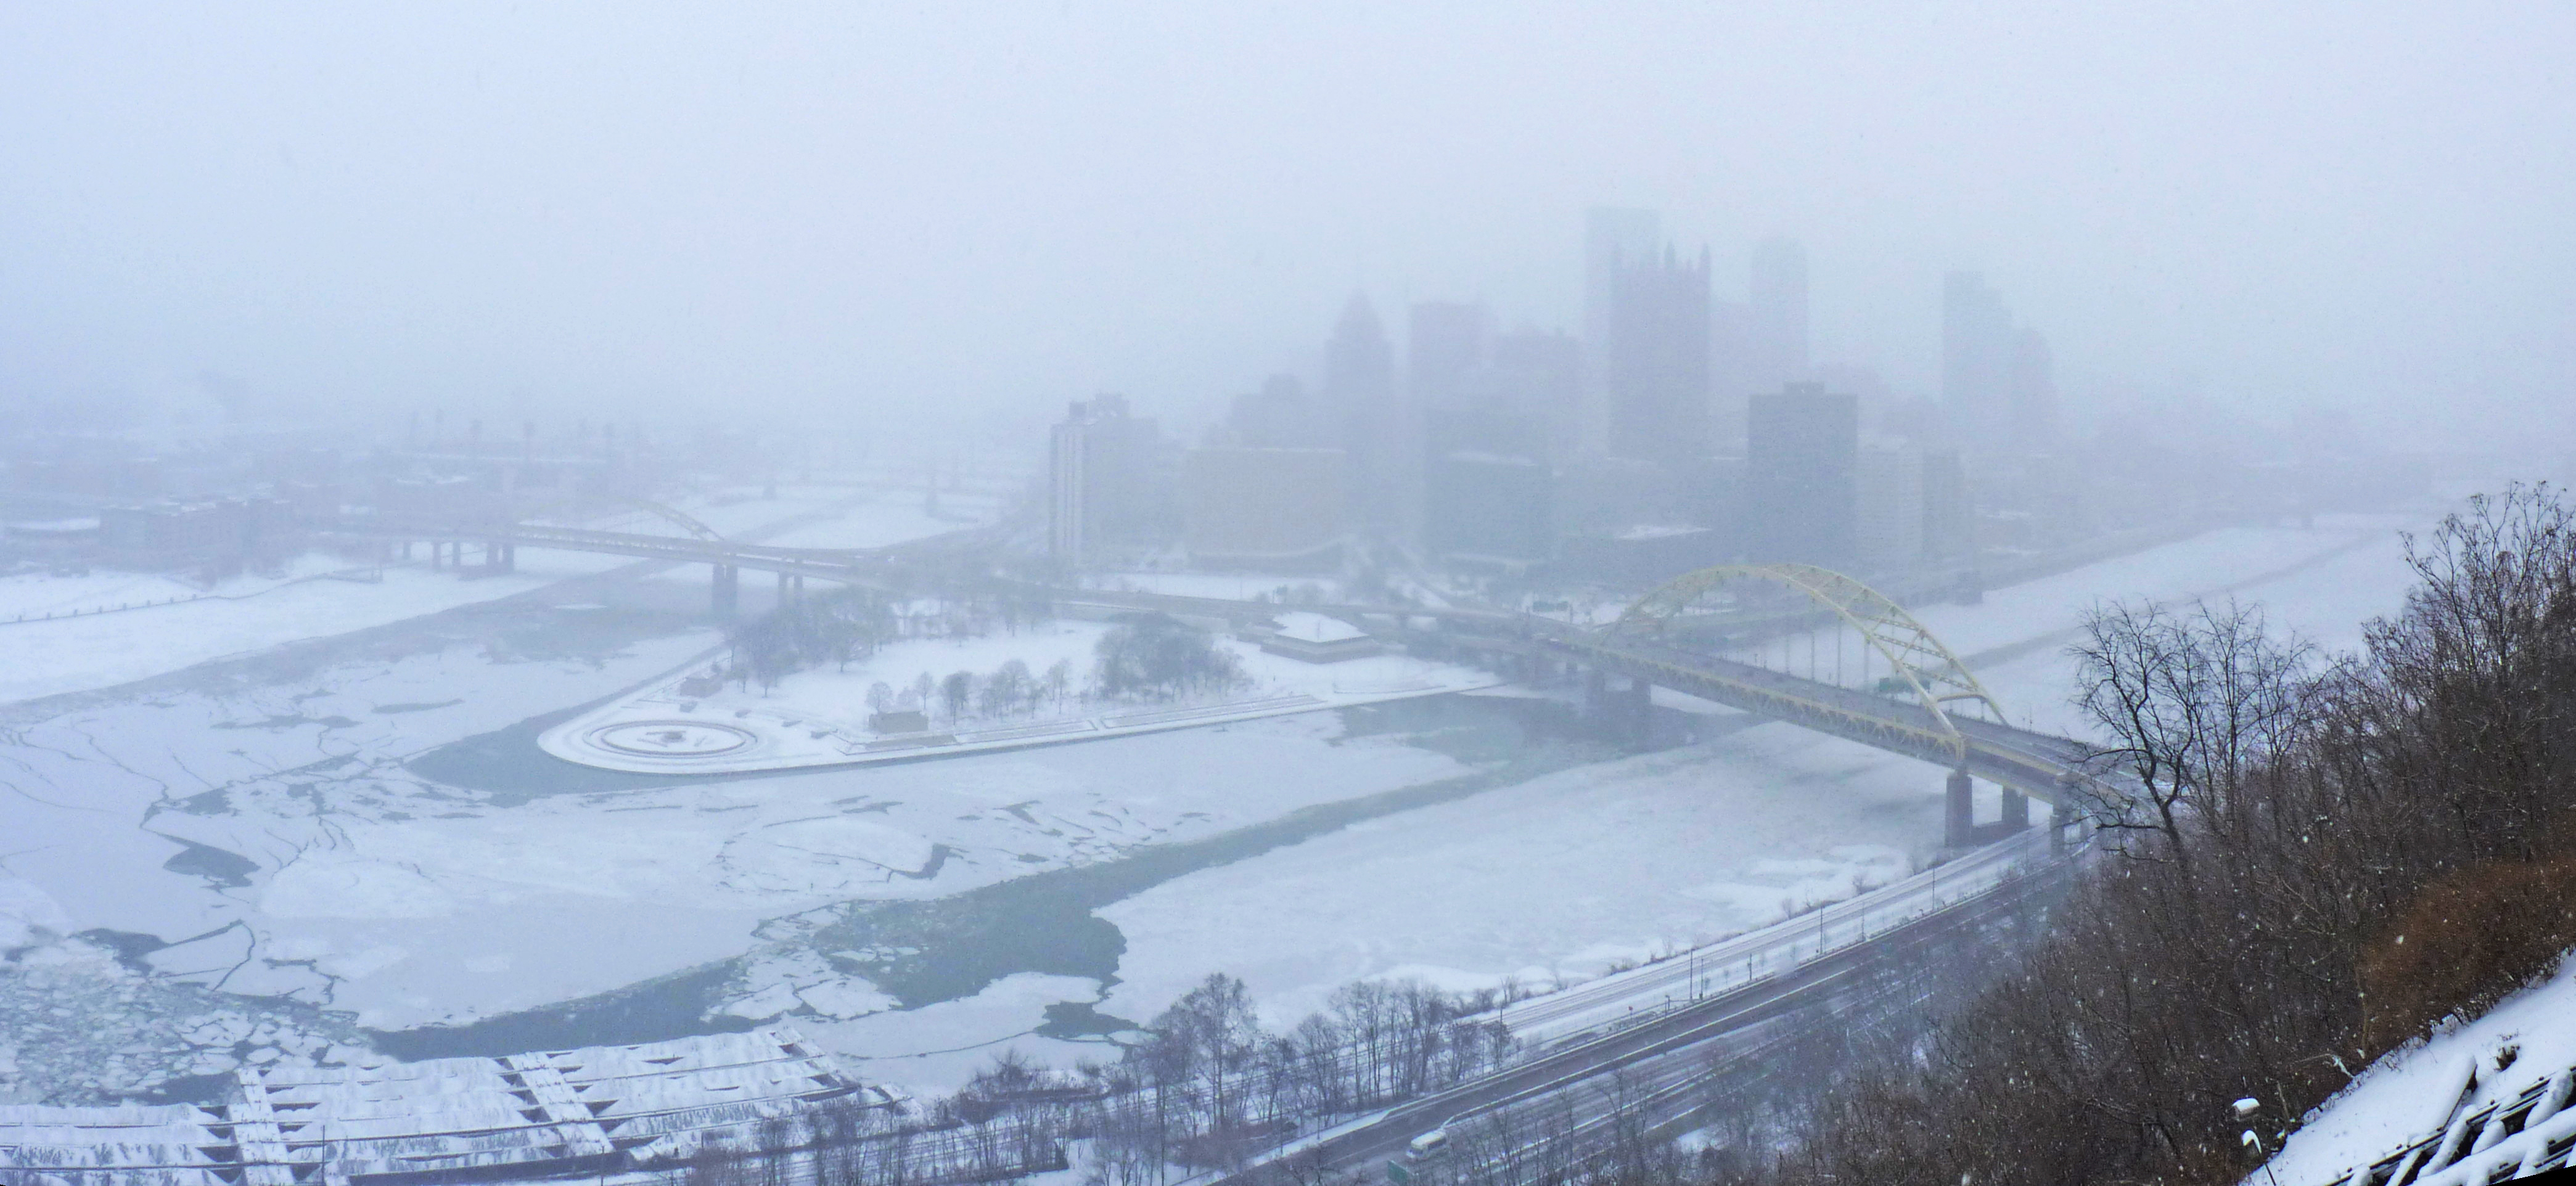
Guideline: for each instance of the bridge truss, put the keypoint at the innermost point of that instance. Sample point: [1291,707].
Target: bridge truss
[1920,667]
[668,514]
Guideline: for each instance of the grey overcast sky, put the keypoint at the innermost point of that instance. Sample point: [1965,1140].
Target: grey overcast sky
[966,214]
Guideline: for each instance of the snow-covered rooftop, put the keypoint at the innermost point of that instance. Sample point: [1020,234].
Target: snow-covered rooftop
[604,1109]
[1312,627]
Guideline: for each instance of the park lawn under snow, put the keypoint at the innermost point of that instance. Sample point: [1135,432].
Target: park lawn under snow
[822,716]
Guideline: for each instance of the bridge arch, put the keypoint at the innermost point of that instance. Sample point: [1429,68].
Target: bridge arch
[660,511]
[1922,665]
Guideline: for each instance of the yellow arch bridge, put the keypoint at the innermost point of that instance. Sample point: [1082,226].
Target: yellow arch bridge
[1914,697]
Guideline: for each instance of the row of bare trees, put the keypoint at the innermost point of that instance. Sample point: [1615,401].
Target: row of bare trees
[848,625]
[1205,1086]
[2321,858]
[1210,1087]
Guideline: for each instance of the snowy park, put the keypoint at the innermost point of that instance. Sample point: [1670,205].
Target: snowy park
[1036,684]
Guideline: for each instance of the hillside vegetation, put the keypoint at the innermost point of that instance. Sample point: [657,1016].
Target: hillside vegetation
[2330,856]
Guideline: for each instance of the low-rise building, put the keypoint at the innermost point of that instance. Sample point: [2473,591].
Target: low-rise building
[1319,638]
[1276,509]
[588,1113]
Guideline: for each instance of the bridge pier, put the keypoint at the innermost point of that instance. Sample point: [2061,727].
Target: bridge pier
[2016,810]
[1628,708]
[791,588]
[1959,812]
[727,592]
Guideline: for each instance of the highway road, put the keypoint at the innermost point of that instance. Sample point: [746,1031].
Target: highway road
[1668,1057]
[1556,1018]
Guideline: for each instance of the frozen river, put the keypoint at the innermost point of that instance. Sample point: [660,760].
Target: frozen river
[355,841]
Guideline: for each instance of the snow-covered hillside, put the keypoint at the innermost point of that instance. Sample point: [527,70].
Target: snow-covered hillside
[2480,1102]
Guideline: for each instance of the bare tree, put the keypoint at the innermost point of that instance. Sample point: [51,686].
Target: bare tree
[2195,702]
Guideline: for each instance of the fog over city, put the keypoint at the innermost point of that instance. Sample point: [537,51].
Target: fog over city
[980,210]
[1299,595]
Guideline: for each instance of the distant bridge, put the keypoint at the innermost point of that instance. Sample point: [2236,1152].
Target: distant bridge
[1916,698]
[1920,707]
[498,544]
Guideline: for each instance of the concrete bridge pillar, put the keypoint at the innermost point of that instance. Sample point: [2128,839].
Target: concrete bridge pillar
[1959,811]
[2058,819]
[2016,810]
[727,592]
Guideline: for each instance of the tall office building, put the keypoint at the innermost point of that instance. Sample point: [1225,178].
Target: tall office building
[1801,473]
[1279,416]
[1976,361]
[1105,484]
[1655,365]
[1538,375]
[1446,351]
[1889,524]
[1488,507]
[1777,329]
[1610,235]
[2034,392]
[1263,507]
[1359,396]
[1730,372]
[1949,518]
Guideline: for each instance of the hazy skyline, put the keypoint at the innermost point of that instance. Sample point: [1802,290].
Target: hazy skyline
[973,215]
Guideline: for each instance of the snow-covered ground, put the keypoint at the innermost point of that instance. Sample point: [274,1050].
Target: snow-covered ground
[379,834]
[2447,1102]
[1229,586]
[821,717]
[364,883]
[249,613]
[244,614]
[1570,874]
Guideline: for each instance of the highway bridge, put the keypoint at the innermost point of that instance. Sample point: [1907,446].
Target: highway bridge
[1914,697]
[1901,691]
[497,543]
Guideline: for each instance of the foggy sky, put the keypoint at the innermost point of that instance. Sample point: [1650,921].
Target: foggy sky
[970,215]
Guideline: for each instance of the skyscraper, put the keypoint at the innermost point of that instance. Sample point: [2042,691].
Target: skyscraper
[1976,361]
[1801,474]
[2034,392]
[1105,485]
[1359,394]
[1538,376]
[1610,235]
[1778,328]
[1656,362]
[1889,526]
[1446,351]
